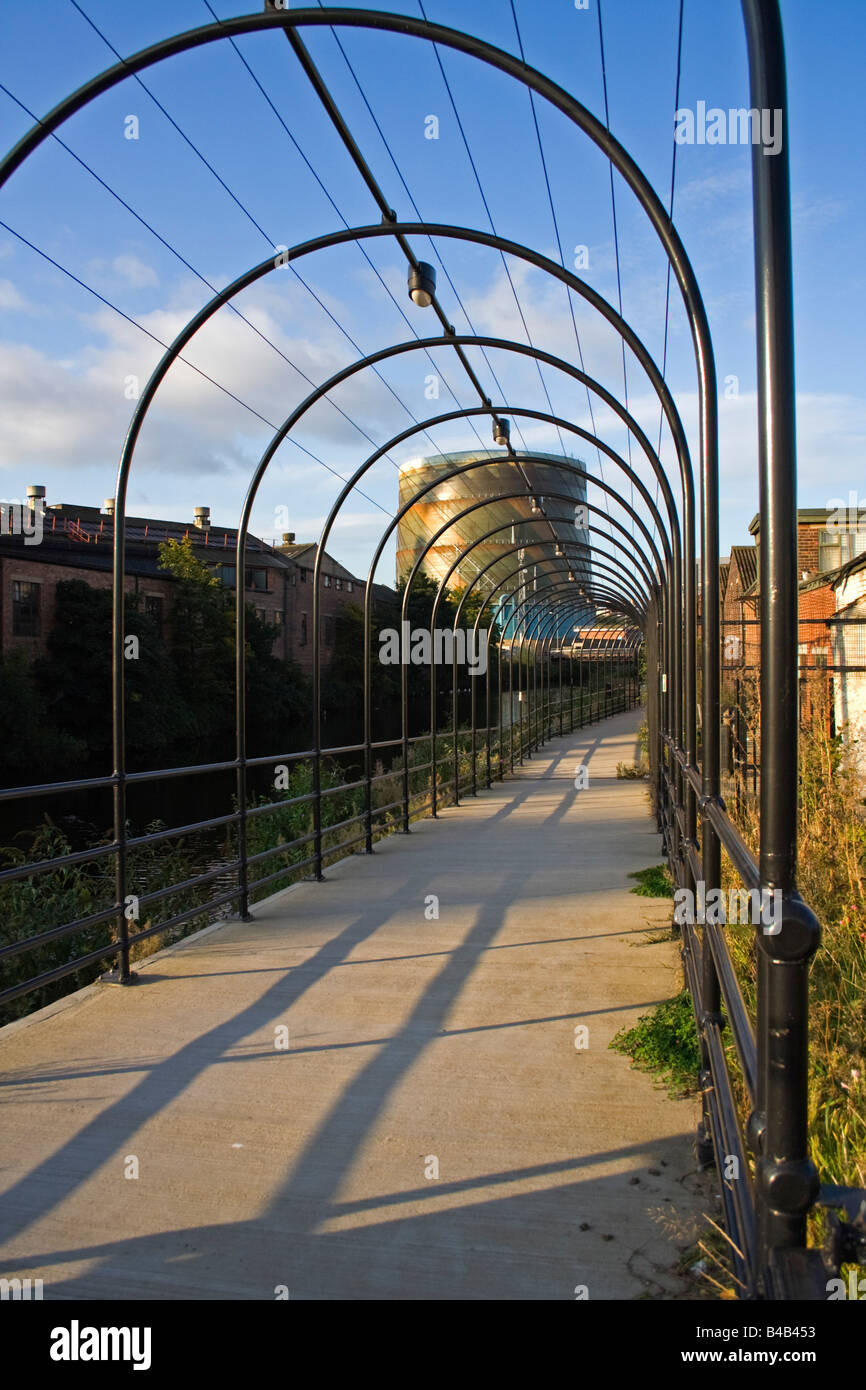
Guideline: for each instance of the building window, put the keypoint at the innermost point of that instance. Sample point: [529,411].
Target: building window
[25,609]
[277,618]
[153,609]
[256,579]
[838,546]
[226,575]
[293,578]
[262,613]
[303,629]
[338,583]
[350,588]
[327,581]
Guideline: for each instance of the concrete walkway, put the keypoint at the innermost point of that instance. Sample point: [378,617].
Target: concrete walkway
[431,1131]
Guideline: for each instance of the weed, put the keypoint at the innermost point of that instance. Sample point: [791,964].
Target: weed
[665,1042]
[654,882]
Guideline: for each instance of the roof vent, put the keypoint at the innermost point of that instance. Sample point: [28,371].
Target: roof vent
[108,506]
[288,538]
[201,517]
[35,494]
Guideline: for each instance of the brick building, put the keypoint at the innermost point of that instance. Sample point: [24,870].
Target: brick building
[76,543]
[831,635]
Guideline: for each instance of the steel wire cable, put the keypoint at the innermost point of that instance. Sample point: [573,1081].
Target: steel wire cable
[413,204]
[555,220]
[370,262]
[506,267]
[185,360]
[270,241]
[671,215]
[615,230]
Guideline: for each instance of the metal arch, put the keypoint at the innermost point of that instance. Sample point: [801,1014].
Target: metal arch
[531,615]
[383,354]
[561,607]
[482,502]
[139,414]
[537,614]
[186,334]
[620,573]
[457,471]
[653,584]
[611,659]
[465,340]
[590,589]
[475,47]
[558,599]
[478,504]
[446,417]
[567,425]
[576,606]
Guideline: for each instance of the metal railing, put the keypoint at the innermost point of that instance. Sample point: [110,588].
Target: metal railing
[479,754]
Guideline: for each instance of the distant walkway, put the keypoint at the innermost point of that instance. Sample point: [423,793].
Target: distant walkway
[430,1131]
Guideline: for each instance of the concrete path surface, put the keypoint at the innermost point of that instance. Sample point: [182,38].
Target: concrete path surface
[352,1098]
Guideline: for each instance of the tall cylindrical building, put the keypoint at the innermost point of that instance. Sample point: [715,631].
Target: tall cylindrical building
[531,527]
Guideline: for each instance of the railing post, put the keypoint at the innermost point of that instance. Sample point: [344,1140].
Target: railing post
[560,689]
[368,726]
[787,1183]
[490,650]
[455,726]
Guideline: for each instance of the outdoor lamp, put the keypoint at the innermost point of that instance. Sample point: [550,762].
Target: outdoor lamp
[422,284]
[501,432]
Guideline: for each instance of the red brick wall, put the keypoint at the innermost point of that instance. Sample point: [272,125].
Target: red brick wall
[807,547]
[15,567]
[332,601]
[293,600]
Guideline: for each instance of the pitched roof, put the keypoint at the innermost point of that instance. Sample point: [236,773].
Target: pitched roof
[746,559]
[304,553]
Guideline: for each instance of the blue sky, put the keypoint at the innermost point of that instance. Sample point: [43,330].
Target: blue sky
[66,359]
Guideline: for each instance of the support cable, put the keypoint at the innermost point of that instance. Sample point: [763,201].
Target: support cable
[671,216]
[489,216]
[413,204]
[613,210]
[312,169]
[559,244]
[212,380]
[271,243]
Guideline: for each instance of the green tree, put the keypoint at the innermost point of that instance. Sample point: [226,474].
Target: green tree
[202,641]
[74,676]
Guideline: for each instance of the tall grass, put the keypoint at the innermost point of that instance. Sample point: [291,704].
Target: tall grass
[831,878]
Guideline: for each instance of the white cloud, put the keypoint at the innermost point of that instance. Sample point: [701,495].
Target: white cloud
[10,299]
[134,271]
